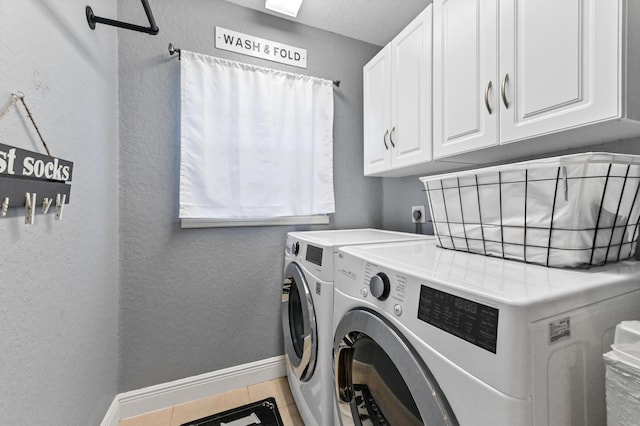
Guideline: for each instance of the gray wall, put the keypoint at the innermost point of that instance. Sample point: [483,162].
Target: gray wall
[194,301]
[59,280]
[399,194]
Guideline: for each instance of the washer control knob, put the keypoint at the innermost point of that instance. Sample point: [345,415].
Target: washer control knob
[364,291]
[397,309]
[379,285]
[295,248]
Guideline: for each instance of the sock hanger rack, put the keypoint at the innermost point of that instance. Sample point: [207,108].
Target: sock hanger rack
[23,174]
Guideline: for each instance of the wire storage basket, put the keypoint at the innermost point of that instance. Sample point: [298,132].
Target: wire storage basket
[570,211]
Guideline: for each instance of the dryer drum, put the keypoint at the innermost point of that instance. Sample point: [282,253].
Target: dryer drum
[299,323]
[380,378]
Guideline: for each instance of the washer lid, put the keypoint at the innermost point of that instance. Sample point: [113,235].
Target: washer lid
[341,237]
[505,281]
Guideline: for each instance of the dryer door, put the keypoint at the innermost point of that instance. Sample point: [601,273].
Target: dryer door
[380,379]
[298,323]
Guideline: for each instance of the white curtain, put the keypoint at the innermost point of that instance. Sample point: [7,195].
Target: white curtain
[255,142]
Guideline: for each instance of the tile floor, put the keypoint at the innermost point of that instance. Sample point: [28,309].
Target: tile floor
[179,414]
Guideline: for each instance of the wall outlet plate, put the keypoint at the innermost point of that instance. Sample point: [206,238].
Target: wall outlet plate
[417,211]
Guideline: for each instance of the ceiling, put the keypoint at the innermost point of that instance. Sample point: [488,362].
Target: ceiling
[372,21]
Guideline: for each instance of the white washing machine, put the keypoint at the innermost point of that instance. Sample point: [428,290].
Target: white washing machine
[307,313]
[424,335]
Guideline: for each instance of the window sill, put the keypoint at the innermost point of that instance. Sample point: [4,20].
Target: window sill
[276,221]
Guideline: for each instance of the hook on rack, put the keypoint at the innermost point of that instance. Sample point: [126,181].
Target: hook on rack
[46,203]
[5,206]
[30,208]
[152,29]
[60,200]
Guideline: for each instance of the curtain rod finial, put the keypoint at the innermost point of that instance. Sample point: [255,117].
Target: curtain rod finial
[173,50]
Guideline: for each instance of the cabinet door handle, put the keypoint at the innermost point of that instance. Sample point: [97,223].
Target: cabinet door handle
[384,139]
[503,90]
[391,136]
[486,97]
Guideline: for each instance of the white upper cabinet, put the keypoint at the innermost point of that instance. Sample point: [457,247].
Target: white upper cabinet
[559,65]
[411,92]
[546,74]
[397,102]
[465,69]
[377,112]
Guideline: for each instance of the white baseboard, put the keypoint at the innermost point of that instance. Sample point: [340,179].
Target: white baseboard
[168,394]
[112,418]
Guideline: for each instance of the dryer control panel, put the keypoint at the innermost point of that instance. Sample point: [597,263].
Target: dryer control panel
[385,289]
[316,259]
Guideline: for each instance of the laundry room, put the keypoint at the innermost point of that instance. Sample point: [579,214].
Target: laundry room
[116,303]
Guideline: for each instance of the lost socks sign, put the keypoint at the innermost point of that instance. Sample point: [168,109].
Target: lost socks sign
[16,162]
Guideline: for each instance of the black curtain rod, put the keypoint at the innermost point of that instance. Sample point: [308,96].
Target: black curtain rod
[173,50]
[152,29]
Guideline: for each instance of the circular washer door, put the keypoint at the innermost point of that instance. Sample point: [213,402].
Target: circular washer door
[298,323]
[380,379]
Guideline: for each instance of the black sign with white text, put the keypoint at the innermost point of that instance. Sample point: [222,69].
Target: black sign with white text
[16,162]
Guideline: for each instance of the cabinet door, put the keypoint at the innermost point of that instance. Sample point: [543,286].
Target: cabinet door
[377,112]
[559,65]
[411,132]
[465,108]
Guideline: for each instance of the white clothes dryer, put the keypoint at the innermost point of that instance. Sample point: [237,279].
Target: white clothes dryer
[424,335]
[307,313]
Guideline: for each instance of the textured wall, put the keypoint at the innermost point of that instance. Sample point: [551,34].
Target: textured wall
[194,301]
[399,195]
[59,280]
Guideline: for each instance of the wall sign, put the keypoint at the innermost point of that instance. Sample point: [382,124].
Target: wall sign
[41,178]
[260,48]
[16,162]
